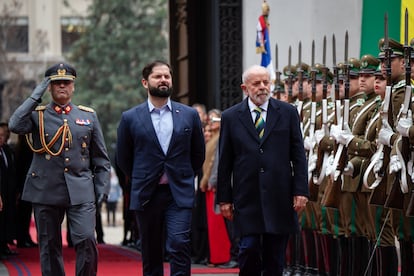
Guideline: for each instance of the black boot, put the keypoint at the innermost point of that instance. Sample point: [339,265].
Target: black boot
[407,260]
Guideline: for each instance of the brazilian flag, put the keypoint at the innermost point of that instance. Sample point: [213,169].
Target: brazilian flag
[372,29]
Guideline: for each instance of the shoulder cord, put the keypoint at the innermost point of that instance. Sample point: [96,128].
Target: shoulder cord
[63,132]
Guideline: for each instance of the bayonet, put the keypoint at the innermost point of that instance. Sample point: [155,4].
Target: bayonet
[277,88]
[300,72]
[290,75]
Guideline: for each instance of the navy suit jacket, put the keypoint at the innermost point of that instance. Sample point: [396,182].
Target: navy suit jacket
[140,156]
[260,177]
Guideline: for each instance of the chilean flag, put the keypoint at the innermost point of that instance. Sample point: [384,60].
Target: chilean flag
[263,37]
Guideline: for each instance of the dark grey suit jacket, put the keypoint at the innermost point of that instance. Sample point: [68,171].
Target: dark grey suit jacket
[260,177]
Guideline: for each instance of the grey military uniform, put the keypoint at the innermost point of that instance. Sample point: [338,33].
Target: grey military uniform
[70,167]
[80,172]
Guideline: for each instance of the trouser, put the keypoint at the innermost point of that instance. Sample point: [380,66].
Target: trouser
[81,220]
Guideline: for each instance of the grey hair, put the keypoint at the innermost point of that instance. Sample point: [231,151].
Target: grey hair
[250,70]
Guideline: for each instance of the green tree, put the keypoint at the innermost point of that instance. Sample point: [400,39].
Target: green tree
[120,37]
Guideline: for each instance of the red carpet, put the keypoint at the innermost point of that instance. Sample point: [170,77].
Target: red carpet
[113,260]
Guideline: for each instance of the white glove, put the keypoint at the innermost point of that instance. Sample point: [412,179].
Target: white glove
[308,143]
[378,163]
[404,124]
[345,136]
[330,165]
[395,164]
[335,131]
[410,169]
[319,134]
[312,162]
[385,134]
[349,169]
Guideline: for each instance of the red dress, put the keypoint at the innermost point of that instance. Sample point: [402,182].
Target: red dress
[218,238]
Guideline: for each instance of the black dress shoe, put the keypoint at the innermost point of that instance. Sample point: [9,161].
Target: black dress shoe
[229,264]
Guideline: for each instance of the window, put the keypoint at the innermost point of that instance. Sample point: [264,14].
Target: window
[15,32]
[72,29]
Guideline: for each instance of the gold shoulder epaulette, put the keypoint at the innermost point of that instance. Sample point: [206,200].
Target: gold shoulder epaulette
[85,108]
[40,108]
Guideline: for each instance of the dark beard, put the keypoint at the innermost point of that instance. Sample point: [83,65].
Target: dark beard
[161,93]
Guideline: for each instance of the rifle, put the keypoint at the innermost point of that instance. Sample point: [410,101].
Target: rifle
[300,82]
[313,186]
[395,199]
[333,191]
[322,161]
[407,103]
[290,76]
[277,89]
[383,151]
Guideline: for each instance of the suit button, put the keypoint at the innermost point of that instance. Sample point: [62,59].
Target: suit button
[261,170]
[261,150]
[66,159]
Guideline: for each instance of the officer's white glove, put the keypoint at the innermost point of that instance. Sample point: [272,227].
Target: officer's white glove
[319,134]
[378,163]
[330,168]
[385,134]
[40,90]
[349,169]
[345,136]
[404,124]
[308,143]
[335,131]
[410,169]
[395,164]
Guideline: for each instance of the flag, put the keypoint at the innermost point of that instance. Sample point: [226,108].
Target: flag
[263,41]
[372,29]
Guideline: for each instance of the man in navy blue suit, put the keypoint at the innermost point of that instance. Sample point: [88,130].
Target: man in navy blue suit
[160,147]
[262,174]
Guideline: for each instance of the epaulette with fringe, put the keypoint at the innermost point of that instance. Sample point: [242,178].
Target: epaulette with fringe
[85,108]
[40,108]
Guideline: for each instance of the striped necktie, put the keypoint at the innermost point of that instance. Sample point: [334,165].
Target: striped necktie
[259,122]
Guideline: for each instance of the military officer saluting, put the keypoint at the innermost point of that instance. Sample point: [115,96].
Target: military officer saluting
[70,171]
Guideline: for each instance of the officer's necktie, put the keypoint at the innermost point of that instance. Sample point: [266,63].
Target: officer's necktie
[259,122]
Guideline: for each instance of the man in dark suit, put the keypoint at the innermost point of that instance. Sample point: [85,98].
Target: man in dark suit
[160,147]
[262,174]
[69,173]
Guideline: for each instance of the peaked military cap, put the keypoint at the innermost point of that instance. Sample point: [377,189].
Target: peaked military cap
[396,47]
[368,64]
[61,71]
[354,66]
[305,69]
[319,72]
[292,70]
[378,72]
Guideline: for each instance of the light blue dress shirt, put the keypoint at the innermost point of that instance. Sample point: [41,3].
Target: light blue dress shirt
[163,126]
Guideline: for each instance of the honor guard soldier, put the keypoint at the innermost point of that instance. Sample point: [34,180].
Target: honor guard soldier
[70,171]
